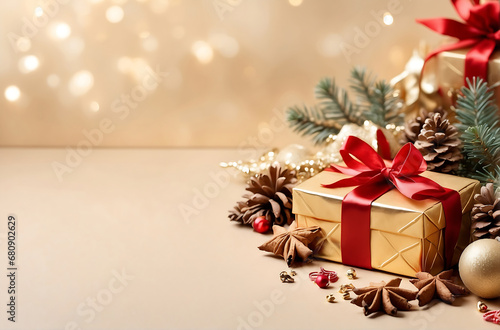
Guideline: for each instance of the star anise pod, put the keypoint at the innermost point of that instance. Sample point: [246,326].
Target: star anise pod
[293,243]
[388,298]
[439,286]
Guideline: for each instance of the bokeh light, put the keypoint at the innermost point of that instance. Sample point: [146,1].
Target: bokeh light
[38,11]
[12,93]
[94,106]
[388,19]
[61,30]
[295,3]
[114,14]
[81,83]
[28,63]
[202,51]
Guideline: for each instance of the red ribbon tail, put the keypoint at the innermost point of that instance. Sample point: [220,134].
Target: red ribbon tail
[355,234]
[476,60]
[384,149]
[453,215]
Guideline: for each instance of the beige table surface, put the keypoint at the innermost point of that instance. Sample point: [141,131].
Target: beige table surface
[108,248]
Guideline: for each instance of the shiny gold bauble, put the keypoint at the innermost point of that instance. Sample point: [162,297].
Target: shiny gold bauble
[351,273]
[479,268]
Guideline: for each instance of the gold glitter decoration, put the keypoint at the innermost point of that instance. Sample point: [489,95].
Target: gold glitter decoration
[253,167]
[346,288]
[304,169]
[306,165]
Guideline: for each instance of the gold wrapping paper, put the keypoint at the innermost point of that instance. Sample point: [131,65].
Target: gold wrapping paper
[448,74]
[406,235]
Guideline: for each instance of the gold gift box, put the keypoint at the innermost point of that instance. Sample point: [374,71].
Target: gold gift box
[447,74]
[406,235]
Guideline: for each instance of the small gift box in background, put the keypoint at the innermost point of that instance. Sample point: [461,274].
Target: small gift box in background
[447,75]
[474,54]
[405,236]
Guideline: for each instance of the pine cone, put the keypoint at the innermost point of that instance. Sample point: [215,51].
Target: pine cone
[439,144]
[236,213]
[270,196]
[486,213]
[414,126]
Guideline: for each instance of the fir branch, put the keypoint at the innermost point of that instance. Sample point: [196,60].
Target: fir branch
[311,122]
[476,106]
[376,99]
[482,153]
[479,124]
[335,103]
[492,175]
[363,84]
[482,144]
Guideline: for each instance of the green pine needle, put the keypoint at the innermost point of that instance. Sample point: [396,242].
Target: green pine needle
[482,144]
[476,106]
[335,104]
[375,101]
[376,98]
[491,175]
[311,122]
[479,125]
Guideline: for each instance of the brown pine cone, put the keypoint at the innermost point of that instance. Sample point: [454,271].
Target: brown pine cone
[414,126]
[236,213]
[439,144]
[270,196]
[486,213]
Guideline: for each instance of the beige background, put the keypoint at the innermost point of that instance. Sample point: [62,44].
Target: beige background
[229,64]
[119,212]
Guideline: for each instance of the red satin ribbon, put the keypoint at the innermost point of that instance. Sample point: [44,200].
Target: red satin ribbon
[384,149]
[480,32]
[373,179]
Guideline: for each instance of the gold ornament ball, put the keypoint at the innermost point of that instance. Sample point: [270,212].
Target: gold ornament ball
[351,273]
[479,268]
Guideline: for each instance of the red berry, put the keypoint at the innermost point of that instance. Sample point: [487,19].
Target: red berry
[261,225]
[322,281]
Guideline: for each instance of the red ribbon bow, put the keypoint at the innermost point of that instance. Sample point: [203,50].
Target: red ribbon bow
[480,31]
[374,178]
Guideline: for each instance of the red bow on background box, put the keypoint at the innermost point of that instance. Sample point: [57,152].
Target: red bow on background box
[480,32]
[374,178]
